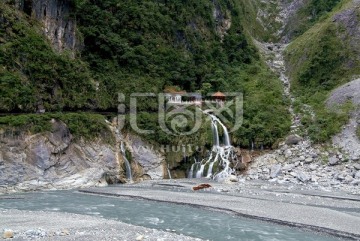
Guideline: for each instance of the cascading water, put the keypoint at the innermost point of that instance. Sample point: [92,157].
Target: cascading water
[127,163]
[168,170]
[221,157]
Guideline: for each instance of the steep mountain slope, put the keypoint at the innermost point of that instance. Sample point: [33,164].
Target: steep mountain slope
[324,57]
[130,47]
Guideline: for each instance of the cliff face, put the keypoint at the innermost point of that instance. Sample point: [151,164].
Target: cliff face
[58,24]
[54,160]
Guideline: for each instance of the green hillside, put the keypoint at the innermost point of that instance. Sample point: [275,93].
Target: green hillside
[141,46]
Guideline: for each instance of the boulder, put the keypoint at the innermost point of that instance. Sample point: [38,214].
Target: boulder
[302,177]
[348,179]
[357,166]
[8,234]
[357,175]
[275,170]
[333,161]
[309,160]
[293,140]
[288,153]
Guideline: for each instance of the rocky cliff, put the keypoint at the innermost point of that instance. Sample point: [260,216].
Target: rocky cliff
[55,160]
[57,18]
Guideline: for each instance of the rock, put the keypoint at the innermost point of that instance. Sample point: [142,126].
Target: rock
[357,166]
[309,160]
[357,175]
[233,178]
[333,161]
[58,28]
[65,232]
[313,167]
[293,140]
[348,179]
[340,177]
[151,161]
[8,233]
[293,174]
[140,238]
[275,170]
[54,160]
[246,157]
[302,177]
[314,179]
[288,153]
[302,158]
[288,167]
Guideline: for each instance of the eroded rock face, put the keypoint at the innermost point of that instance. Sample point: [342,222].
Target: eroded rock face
[54,160]
[55,15]
[151,161]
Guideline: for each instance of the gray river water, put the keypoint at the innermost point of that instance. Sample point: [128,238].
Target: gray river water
[183,219]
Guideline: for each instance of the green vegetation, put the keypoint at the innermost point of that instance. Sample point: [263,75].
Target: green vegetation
[319,61]
[88,126]
[310,14]
[32,74]
[140,47]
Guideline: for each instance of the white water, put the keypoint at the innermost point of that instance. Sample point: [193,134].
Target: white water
[222,154]
[127,163]
[199,173]
[168,170]
[210,170]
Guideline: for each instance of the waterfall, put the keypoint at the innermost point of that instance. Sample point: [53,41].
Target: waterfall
[191,172]
[127,163]
[215,133]
[199,173]
[169,173]
[222,154]
[210,170]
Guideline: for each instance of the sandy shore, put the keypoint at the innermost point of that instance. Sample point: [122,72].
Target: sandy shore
[28,225]
[334,213]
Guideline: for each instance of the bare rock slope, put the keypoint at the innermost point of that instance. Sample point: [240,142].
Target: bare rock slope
[348,139]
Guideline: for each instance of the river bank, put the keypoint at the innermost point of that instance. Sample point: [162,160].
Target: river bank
[42,225]
[334,213]
[146,211]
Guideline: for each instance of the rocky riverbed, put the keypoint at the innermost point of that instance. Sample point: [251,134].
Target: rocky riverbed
[313,167]
[337,212]
[28,225]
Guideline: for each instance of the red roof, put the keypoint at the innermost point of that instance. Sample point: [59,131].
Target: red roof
[218,94]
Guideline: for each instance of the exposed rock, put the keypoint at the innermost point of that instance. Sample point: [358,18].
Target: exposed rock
[275,170]
[8,234]
[333,161]
[288,153]
[245,157]
[313,167]
[357,175]
[140,238]
[309,160]
[348,179]
[302,177]
[151,161]
[288,167]
[293,140]
[58,24]
[53,160]
[357,166]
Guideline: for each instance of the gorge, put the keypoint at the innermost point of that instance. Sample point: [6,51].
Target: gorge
[77,77]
